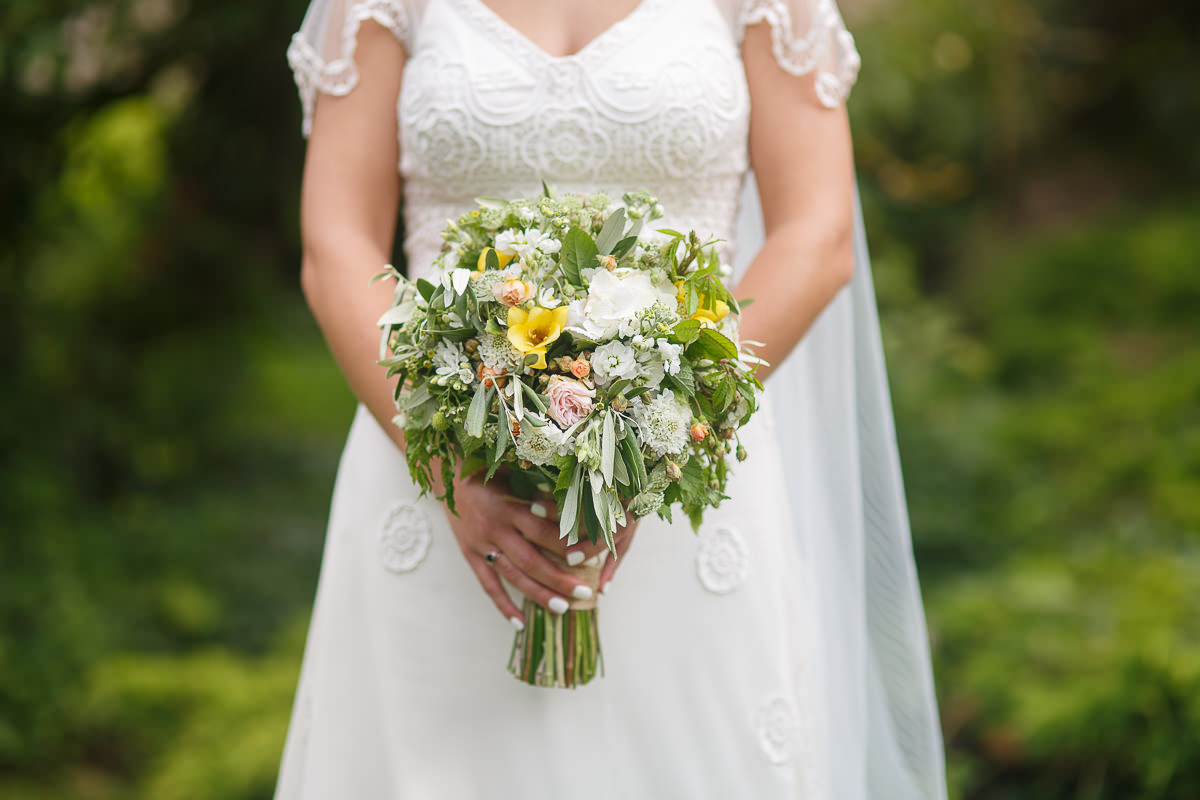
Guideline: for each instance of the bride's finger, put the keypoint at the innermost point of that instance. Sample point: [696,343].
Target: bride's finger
[535,591]
[527,559]
[490,582]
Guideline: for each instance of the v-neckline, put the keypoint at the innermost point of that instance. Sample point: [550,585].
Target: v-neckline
[503,27]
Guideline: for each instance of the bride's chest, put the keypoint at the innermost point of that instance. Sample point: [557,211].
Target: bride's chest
[659,96]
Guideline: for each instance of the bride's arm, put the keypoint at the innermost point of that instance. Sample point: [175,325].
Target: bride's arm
[349,199]
[802,160]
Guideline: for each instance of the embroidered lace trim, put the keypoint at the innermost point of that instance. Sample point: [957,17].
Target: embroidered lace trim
[339,75]
[827,48]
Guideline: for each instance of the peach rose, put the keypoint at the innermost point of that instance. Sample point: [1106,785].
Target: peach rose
[580,368]
[513,292]
[570,400]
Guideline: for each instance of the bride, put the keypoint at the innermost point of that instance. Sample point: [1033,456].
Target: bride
[779,653]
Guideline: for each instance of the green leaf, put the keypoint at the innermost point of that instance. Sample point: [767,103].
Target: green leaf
[611,233]
[568,515]
[721,398]
[683,381]
[546,189]
[621,471]
[671,232]
[460,306]
[537,422]
[686,331]
[591,523]
[477,412]
[503,434]
[618,387]
[608,448]
[425,288]
[624,246]
[491,260]
[454,334]
[712,345]
[633,458]
[534,397]
[579,251]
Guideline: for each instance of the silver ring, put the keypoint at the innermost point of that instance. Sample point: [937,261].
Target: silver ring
[492,556]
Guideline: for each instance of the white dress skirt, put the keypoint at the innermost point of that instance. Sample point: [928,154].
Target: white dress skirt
[778,653]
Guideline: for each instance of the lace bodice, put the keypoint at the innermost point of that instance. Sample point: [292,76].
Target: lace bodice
[659,100]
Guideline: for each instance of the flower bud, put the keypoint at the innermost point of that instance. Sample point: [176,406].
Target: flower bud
[580,368]
[471,346]
[741,453]
[674,473]
[619,403]
[608,262]
[699,431]
[440,422]
[491,378]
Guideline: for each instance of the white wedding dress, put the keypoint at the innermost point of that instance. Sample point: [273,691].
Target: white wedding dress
[780,653]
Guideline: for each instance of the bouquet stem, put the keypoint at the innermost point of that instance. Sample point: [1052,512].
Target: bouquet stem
[560,651]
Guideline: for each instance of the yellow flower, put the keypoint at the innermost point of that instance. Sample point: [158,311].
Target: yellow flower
[501,257]
[535,330]
[712,315]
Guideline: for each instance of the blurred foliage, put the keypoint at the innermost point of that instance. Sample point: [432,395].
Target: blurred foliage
[172,419]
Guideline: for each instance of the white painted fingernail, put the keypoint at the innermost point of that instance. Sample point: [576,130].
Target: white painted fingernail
[575,557]
[543,487]
[558,605]
[606,585]
[594,561]
[538,510]
[582,592]
[516,623]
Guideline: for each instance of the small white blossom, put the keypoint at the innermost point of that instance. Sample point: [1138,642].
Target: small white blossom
[497,353]
[614,361]
[663,423]
[451,362]
[546,298]
[540,444]
[670,353]
[523,243]
[456,280]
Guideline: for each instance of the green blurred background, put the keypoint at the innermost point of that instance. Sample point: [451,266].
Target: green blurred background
[172,420]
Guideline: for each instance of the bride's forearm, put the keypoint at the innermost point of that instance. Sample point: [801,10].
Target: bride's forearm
[335,283]
[797,273]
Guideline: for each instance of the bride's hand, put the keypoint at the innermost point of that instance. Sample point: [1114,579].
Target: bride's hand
[489,521]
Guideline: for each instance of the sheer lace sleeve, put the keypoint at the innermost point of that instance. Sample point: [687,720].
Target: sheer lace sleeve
[321,53]
[807,37]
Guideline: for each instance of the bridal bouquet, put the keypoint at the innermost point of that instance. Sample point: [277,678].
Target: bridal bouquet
[562,343]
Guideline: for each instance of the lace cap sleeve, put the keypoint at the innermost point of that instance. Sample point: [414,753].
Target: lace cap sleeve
[321,53]
[807,37]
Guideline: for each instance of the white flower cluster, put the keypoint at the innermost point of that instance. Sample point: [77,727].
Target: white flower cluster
[614,361]
[539,445]
[663,423]
[497,353]
[451,363]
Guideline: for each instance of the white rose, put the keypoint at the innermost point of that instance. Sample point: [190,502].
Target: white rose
[614,300]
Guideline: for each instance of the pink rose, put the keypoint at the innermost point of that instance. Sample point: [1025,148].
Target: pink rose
[570,400]
[512,292]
